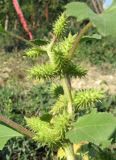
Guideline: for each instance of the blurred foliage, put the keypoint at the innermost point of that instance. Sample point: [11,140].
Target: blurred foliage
[95,153]
[25,149]
[97,51]
[39,15]
[15,103]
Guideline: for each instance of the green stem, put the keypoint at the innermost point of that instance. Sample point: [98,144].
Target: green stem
[67,91]
[65,80]
[69,152]
[78,38]
[49,49]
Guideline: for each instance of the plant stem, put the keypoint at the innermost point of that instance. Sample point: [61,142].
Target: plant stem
[65,80]
[16,126]
[49,49]
[69,152]
[20,38]
[78,38]
[67,91]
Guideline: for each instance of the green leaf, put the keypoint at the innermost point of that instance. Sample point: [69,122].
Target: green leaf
[91,37]
[6,133]
[94,127]
[46,117]
[79,10]
[106,144]
[39,42]
[114,2]
[104,22]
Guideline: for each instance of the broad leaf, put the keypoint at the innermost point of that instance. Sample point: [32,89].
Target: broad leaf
[79,10]
[114,2]
[94,127]
[104,22]
[5,134]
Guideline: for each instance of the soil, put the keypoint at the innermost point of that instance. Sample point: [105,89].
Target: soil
[103,77]
[15,66]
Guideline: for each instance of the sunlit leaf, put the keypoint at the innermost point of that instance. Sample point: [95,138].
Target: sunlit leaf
[6,133]
[104,22]
[94,127]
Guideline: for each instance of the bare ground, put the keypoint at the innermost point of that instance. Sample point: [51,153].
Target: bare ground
[15,67]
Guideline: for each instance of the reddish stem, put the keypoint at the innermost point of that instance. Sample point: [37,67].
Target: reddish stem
[22,18]
[16,126]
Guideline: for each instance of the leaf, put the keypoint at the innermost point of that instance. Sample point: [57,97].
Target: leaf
[91,37]
[94,127]
[39,42]
[106,144]
[104,22]
[46,117]
[79,10]
[6,133]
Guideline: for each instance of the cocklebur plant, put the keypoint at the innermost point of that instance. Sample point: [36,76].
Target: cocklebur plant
[59,130]
[64,126]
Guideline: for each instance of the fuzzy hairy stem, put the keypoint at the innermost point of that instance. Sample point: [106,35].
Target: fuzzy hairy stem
[78,38]
[69,152]
[65,80]
[67,91]
[16,126]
